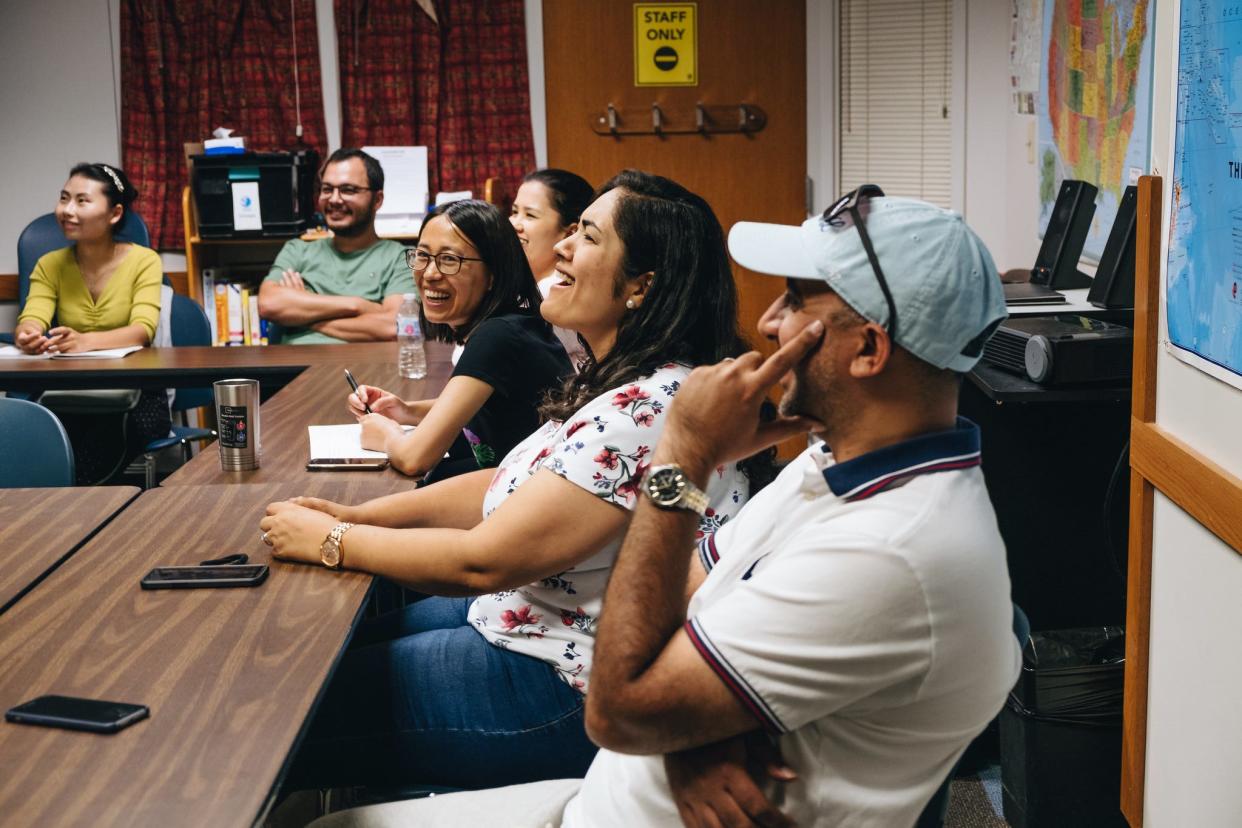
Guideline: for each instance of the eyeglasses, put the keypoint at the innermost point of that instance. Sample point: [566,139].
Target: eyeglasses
[447,263]
[346,190]
[850,209]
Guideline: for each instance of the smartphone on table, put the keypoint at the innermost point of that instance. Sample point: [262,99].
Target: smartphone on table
[347,464]
[204,577]
[93,715]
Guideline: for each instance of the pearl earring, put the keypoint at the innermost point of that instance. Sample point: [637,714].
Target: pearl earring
[629,303]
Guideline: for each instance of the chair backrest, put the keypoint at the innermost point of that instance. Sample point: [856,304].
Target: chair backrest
[189,327]
[34,448]
[43,235]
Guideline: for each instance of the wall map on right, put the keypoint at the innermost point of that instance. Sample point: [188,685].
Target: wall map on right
[1205,221]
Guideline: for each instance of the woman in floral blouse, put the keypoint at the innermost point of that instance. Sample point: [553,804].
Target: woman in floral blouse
[488,691]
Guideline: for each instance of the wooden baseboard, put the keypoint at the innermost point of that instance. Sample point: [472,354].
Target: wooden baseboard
[8,285]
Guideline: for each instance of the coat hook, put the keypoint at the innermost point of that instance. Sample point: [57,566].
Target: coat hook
[700,118]
[657,119]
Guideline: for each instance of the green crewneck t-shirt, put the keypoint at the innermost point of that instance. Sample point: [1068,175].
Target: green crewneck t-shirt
[374,273]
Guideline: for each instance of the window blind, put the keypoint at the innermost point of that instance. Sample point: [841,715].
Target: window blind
[895,86]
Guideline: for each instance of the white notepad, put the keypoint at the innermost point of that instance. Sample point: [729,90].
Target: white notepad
[13,352]
[343,441]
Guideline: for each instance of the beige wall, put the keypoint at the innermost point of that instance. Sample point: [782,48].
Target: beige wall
[1194,718]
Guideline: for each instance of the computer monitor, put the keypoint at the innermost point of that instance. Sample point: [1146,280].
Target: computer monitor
[1114,279]
[1056,266]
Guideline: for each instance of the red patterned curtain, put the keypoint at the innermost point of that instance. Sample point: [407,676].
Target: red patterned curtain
[457,85]
[189,66]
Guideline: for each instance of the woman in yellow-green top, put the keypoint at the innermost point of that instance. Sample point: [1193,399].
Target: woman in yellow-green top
[103,294]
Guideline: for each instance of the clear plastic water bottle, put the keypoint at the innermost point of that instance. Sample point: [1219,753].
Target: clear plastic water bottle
[412,356]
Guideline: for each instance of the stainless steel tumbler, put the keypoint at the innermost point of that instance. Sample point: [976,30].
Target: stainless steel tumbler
[237,418]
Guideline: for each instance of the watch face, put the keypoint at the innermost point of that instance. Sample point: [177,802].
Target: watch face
[331,552]
[665,486]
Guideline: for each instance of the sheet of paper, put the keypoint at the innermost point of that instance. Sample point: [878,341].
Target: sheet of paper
[405,181]
[246,215]
[13,352]
[344,441]
[459,195]
[104,353]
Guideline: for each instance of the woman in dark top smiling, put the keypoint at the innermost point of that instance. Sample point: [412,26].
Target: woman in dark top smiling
[477,290]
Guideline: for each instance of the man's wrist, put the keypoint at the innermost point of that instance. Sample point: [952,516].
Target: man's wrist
[696,468]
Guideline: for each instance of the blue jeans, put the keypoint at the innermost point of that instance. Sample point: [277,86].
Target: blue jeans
[422,698]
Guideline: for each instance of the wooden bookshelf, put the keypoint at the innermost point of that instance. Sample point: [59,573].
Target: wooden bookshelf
[243,260]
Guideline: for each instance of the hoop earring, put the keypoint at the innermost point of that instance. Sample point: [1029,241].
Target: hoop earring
[629,303]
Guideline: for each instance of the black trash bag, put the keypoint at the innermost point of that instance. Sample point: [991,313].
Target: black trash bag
[1072,675]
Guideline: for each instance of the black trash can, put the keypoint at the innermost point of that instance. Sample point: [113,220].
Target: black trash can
[1060,731]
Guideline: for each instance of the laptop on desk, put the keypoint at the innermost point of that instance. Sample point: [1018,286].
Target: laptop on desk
[1029,293]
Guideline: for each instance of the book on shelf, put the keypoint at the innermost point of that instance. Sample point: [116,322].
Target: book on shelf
[232,310]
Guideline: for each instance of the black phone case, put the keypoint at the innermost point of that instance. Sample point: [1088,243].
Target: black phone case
[150,582]
[17,716]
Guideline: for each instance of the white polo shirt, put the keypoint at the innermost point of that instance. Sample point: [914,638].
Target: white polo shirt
[861,612]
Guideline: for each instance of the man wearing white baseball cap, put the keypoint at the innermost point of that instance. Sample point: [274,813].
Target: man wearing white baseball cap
[855,615]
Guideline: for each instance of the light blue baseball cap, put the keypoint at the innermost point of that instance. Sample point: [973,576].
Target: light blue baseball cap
[944,283]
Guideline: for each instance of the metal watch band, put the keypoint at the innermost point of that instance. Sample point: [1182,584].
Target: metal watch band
[688,496]
[694,499]
[334,537]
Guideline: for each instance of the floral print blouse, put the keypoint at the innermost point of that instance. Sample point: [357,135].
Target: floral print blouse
[605,448]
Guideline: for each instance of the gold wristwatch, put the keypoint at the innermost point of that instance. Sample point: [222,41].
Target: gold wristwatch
[331,553]
[669,488]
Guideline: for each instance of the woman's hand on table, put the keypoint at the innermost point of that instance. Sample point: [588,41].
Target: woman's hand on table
[30,340]
[377,430]
[338,510]
[296,532]
[65,340]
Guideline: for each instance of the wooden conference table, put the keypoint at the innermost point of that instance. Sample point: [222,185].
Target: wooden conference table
[189,367]
[231,676]
[46,526]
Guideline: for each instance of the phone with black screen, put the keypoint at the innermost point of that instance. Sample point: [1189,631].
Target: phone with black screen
[204,577]
[94,715]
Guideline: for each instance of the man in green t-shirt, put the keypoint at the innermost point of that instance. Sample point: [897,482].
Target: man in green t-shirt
[346,288]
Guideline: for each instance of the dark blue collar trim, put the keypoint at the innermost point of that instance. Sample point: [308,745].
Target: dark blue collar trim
[875,471]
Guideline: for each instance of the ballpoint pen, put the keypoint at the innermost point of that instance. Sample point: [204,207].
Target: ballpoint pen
[354,385]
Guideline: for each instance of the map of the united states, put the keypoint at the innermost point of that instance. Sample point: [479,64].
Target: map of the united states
[1095,100]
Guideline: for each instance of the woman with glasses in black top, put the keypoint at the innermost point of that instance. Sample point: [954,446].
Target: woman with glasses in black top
[477,290]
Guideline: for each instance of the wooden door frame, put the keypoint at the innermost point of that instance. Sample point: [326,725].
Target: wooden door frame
[1159,461]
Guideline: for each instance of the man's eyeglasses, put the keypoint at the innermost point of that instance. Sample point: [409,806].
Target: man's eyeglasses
[851,208]
[346,190]
[447,263]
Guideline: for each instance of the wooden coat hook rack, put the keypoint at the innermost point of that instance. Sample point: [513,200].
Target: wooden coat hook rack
[660,120]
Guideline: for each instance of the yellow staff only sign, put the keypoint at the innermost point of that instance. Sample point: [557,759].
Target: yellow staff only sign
[666,44]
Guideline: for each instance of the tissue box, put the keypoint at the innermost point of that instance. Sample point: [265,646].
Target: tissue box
[233,145]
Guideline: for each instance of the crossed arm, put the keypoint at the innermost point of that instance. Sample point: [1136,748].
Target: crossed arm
[352,318]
